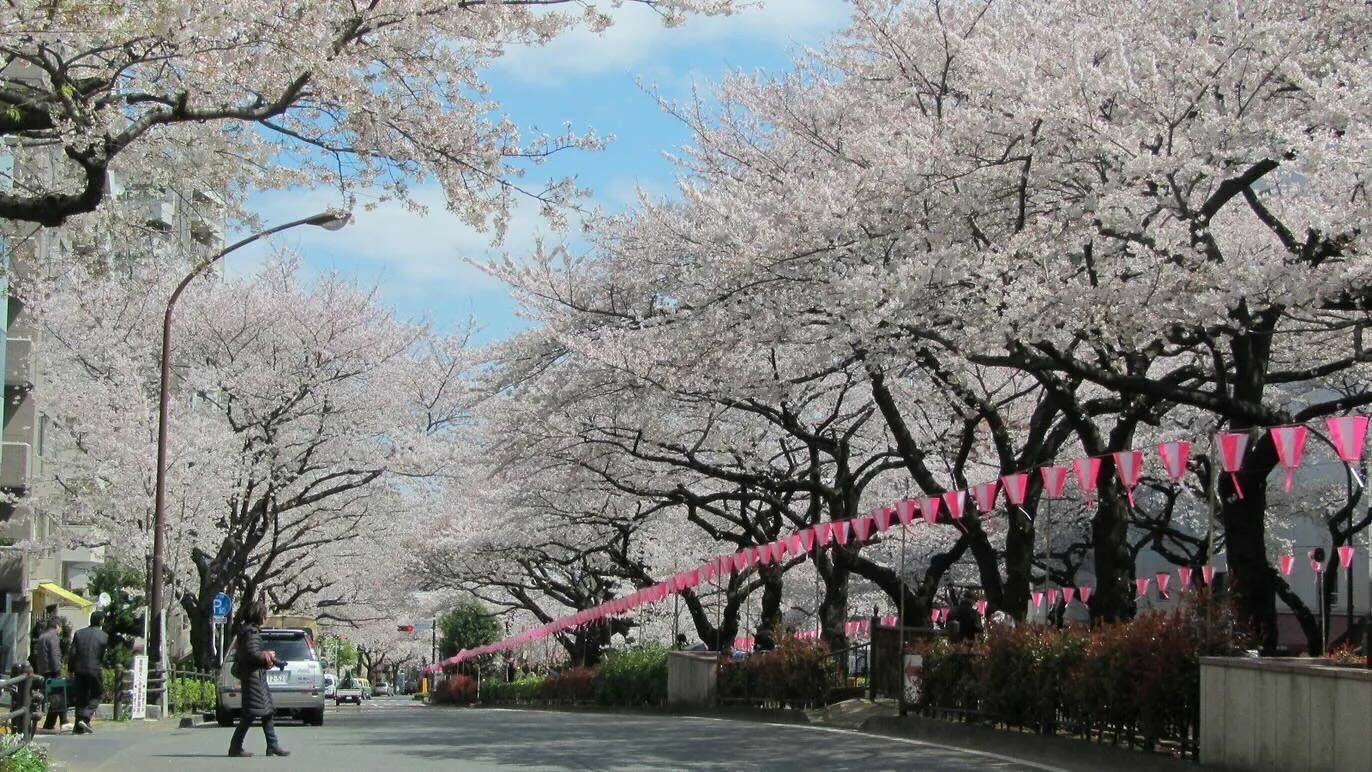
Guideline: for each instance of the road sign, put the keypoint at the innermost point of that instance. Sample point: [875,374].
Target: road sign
[222,606]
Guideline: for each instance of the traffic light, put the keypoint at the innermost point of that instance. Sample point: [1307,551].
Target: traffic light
[405,628]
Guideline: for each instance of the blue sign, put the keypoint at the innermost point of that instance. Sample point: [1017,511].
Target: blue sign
[222,606]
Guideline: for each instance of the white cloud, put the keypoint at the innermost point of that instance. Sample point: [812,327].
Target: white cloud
[419,260]
[637,40]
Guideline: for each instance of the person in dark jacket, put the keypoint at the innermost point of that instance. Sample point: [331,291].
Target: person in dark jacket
[87,657]
[253,662]
[965,621]
[47,662]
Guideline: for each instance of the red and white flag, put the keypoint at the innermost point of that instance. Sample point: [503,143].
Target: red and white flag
[1174,456]
[1054,480]
[1087,472]
[1290,442]
[1129,467]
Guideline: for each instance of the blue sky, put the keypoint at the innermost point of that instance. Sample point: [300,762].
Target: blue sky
[418,260]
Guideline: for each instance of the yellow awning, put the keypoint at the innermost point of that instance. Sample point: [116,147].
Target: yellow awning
[70,597]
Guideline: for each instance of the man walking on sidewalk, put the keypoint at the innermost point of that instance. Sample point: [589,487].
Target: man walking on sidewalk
[47,662]
[87,655]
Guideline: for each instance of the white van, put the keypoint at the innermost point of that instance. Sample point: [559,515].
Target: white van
[297,691]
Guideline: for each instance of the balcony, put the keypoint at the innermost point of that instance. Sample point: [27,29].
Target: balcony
[19,362]
[14,464]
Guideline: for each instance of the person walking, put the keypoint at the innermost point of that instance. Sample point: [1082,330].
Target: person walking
[87,656]
[252,663]
[47,662]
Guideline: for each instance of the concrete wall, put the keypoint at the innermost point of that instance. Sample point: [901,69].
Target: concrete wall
[691,678]
[1284,714]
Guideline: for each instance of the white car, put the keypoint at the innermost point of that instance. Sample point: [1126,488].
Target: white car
[297,691]
[382,689]
[330,685]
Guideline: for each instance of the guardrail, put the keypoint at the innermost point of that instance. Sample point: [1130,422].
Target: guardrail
[22,720]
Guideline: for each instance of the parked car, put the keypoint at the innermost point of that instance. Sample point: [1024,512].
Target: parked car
[382,689]
[297,691]
[366,688]
[330,684]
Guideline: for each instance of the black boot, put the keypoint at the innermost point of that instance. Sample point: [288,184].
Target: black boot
[277,750]
[240,753]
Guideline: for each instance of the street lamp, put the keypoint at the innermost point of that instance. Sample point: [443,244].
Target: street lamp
[331,220]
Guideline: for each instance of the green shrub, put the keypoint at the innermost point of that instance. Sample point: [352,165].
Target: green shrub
[527,688]
[635,676]
[796,672]
[185,694]
[1141,676]
[30,758]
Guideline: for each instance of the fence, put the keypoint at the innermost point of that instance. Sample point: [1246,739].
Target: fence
[952,689]
[23,719]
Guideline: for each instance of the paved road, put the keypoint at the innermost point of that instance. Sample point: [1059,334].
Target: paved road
[395,734]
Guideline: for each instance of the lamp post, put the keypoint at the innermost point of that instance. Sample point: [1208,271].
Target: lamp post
[331,220]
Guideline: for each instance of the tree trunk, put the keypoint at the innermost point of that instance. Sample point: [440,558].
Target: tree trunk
[1113,600]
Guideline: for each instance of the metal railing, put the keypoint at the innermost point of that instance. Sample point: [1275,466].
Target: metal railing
[22,720]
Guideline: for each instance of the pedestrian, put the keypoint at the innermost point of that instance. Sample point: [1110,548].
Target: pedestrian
[86,659]
[251,665]
[47,662]
[966,622]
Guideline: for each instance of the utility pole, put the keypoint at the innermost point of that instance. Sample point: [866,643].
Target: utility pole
[433,641]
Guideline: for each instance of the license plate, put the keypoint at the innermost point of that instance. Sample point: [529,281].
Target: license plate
[278,678]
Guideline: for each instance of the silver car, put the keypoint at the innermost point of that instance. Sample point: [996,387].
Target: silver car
[297,691]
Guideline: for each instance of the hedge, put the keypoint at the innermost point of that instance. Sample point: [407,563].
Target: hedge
[1137,680]
[797,673]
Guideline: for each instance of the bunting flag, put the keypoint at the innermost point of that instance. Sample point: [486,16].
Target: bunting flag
[1290,442]
[1037,597]
[807,539]
[779,549]
[708,572]
[981,607]
[985,495]
[1142,584]
[841,532]
[1016,485]
[1208,574]
[1174,456]
[762,555]
[1084,592]
[943,614]
[928,506]
[1163,579]
[1067,594]
[1184,573]
[1052,597]
[933,615]
[796,545]
[740,561]
[1054,480]
[1129,467]
[1349,435]
[823,531]
[1286,561]
[954,501]
[1345,556]
[1087,472]
[1315,565]
[862,527]
[883,518]
[1232,446]
[905,511]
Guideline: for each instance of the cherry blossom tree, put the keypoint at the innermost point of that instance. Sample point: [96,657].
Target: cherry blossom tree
[306,419]
[353,95]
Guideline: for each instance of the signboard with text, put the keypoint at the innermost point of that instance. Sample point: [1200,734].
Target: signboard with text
[138,701]
[914,675]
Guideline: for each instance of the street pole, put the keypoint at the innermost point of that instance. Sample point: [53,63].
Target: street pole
[331,220]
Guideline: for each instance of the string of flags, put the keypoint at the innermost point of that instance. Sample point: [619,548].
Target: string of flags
[1347,435]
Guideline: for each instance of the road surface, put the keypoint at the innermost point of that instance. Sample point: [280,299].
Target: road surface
[397,734]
